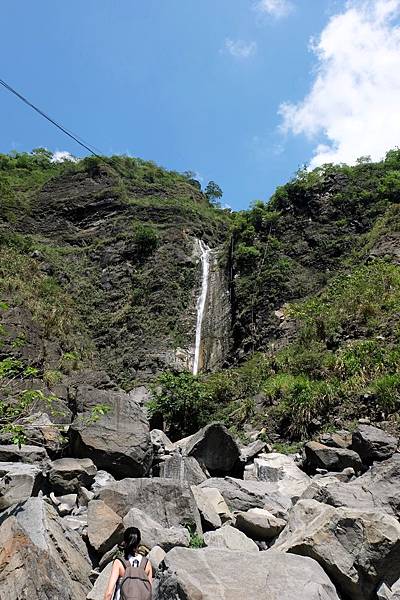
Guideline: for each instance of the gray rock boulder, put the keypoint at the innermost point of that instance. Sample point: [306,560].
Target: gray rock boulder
[67,475]
[101,583]
[282,473]
[168,502]
[259,524]
[358,549]
[44,432]
[161,441]
[213,447]
[339,439]
[154,534]
[231,539]
[44,559]
[18,481]
[105,527]
[156,556]
[377,489]
[319,456]
[210,518]
[33,455]
[216,574]
[242,495]
[247,453]
[118,442]
[182,468]
[102,479]
[373,444]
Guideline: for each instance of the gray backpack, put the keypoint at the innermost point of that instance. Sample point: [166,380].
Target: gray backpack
[135,584]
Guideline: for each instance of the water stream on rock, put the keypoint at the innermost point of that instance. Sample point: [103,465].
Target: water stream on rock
[201,301]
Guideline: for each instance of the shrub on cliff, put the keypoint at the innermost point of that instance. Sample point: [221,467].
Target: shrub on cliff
[183,401]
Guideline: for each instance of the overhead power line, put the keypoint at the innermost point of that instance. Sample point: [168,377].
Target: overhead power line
[43,114]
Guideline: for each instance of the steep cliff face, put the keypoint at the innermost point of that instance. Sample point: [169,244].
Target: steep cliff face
[101,266]
[218,317]
[118,239]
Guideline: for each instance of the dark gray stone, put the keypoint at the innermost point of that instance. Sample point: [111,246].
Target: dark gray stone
[67,475]
[373,444]
[119,442]
[319,456]
[213,447]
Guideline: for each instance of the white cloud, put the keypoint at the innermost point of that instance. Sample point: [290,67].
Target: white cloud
[275,8]
[352,108]
[239,48]
[63,155]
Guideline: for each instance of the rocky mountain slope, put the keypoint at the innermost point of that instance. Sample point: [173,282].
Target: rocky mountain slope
[103,266]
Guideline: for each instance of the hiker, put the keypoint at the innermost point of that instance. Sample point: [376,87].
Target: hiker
[132,576]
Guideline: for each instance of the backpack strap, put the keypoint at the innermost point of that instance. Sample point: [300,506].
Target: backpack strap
[143,563]
[125,563]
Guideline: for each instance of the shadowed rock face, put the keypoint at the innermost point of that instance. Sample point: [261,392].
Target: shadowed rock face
[213,447]
[212,574]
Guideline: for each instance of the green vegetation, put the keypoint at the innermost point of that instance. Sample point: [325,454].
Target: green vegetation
[344,363]
[196,540]
[183,402]
[213,192]
[97,262]
[14,406]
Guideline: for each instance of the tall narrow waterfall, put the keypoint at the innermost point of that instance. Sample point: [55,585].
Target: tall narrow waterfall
[201,301]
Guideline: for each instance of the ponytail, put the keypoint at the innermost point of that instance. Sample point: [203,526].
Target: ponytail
[131,541]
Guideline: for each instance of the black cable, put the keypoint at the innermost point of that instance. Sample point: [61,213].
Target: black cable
[63,129]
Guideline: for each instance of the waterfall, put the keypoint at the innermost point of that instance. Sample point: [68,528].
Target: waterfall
[201,301]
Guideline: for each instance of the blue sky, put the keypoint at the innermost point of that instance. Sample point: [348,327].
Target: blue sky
[194,85]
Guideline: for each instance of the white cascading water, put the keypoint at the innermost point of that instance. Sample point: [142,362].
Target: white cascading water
[201,301]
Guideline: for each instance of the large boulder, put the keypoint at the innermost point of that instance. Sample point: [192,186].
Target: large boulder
[210,517]
[166,501]
[101,583]
[161,441]
[217,574]
[338,439]
[242,495]
[249,452]
[105,527]
[102,479]
[213,447]
[282,471]
[67,475]
[259,524]
[319,456]
[18,481]
[40,557]
[154,534]
[231,539]
[182,468]
[119,441]
[44,432]
[373,444]
[156,556]
[377,489]
[358,549]
[33,455]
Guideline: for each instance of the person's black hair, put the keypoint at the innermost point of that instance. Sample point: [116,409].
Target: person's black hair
[131,542]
